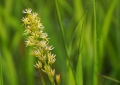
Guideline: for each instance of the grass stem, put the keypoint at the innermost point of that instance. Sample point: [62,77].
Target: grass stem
[62,32]
[95,59]
[40,73]
[1,78]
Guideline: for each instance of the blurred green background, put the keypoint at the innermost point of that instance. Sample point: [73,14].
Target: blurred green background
[16,65]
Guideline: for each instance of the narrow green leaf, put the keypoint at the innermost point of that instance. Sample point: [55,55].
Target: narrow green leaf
[105,29]
[70,76]
[1,77]
[63,37]
[66,6]
[9,67]
[77,27]
[112,54]
[29,68]
[112,79]
[95,59]
[79,72]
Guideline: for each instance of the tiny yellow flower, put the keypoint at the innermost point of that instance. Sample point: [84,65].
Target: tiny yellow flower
[44,35]
[26,20]
[30,41]
[27,11]
[51,58]
[48,48]
[38,64]
[27,31]
[43,58]
[52,72]
[42,43]
[47,69]
[58,78]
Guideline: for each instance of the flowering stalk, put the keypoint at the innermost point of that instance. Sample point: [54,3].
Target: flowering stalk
[39,41]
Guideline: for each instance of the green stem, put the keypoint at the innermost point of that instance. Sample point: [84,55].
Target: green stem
[77,27]
[1,78]
[95,71]
[40,73]
[112,79]
[62,32]
[52,80]
[79,70]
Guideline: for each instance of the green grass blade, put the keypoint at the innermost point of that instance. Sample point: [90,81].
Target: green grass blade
[105,29]
[29,68]
[113,59]
[77,27]
[1,77]
[70,79]
[66,6]
[78,9]
[95,59]
[41,76]
[79,72]
[112,79]
[9,67]
[62,32]
[60,24]
[8,5]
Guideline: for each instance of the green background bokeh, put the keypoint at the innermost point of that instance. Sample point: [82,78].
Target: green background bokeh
[17,65]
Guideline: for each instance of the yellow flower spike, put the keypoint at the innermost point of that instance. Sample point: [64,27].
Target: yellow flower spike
[39,43]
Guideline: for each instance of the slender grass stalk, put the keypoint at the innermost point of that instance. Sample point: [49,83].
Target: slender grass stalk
[119,26]
[109,78]
[76,28]
[1,77]
[66,6]
[61,27]
[79,70]
[105,29]
[62,32]
[42,78]
[8,67]
[95,59]
[112,54]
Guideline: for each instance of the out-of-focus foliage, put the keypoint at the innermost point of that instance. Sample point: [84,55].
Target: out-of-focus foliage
[16,65]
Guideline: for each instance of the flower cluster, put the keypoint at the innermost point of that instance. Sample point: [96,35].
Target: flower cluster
[39,42]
